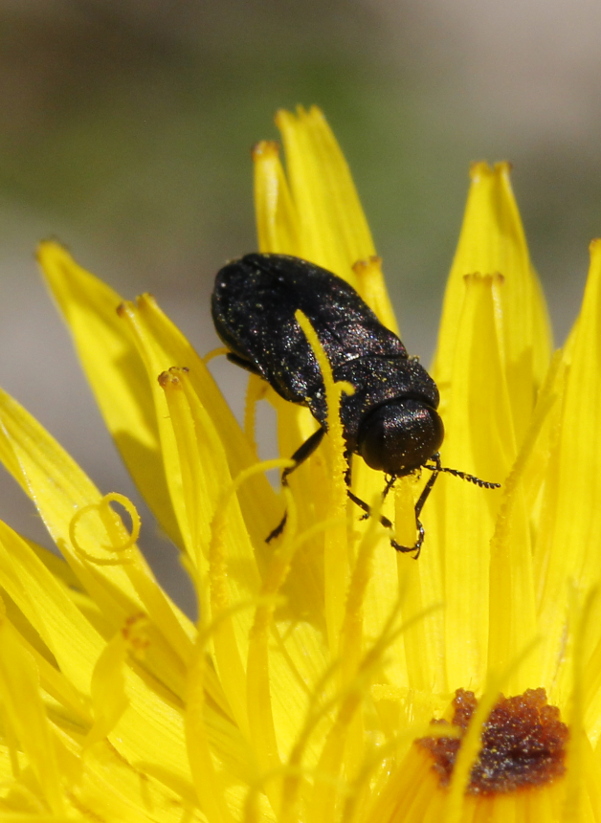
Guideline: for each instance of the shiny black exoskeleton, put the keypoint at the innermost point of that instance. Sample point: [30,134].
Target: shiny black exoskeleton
[390,420]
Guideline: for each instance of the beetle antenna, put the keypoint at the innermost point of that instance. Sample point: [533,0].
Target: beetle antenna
[471,478]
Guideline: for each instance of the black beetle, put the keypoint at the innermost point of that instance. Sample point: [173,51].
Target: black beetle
[390,419]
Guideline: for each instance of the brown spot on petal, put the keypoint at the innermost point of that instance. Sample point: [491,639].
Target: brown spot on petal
[523,743]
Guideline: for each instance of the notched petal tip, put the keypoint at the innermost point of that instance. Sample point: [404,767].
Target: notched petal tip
[490,279]
[265,149]
[301,113]
[56,262]
[480,169]
[281,117]
[503,167]
[49,245]
[372,288]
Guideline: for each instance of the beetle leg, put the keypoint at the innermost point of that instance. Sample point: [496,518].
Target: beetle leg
[418,508]
[417,546]
[389,484]
[367,509]
[278,529]
[305,450]
[436,469]
[300,455]
[348,479]
[357,500]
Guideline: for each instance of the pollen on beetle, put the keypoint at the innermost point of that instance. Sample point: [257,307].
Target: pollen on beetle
[523,743]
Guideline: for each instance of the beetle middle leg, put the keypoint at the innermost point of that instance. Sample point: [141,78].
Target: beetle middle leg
[300,455]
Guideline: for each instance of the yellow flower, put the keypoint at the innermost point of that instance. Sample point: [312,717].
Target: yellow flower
[319,660]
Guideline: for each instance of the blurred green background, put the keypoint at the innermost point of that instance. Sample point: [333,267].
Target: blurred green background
[125,130]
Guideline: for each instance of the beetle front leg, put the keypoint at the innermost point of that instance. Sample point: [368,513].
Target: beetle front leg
[436,469]
[417,546]
[357,500]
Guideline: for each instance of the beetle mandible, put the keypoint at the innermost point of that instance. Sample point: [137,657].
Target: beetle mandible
[390,420]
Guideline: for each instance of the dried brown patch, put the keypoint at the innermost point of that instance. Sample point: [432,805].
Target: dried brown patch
[523,743]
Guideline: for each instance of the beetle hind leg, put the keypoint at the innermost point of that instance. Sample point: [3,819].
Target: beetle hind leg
[300,455]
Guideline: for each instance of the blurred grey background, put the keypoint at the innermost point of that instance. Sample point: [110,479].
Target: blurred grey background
[125,129]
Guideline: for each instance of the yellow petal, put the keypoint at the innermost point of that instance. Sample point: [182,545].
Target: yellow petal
[114,371]
[25,714]
[161,346]
[45,604]
[276,216]
[492,242]
[88,532]
[568,549]
[319,216]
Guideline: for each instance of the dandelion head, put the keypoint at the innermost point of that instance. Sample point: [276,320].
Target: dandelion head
[327,677]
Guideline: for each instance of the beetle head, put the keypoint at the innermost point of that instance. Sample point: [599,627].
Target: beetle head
[400,436]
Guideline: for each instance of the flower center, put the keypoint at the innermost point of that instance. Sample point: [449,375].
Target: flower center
[523,743]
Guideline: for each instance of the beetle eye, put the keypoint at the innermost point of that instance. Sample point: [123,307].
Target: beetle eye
[398,437]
